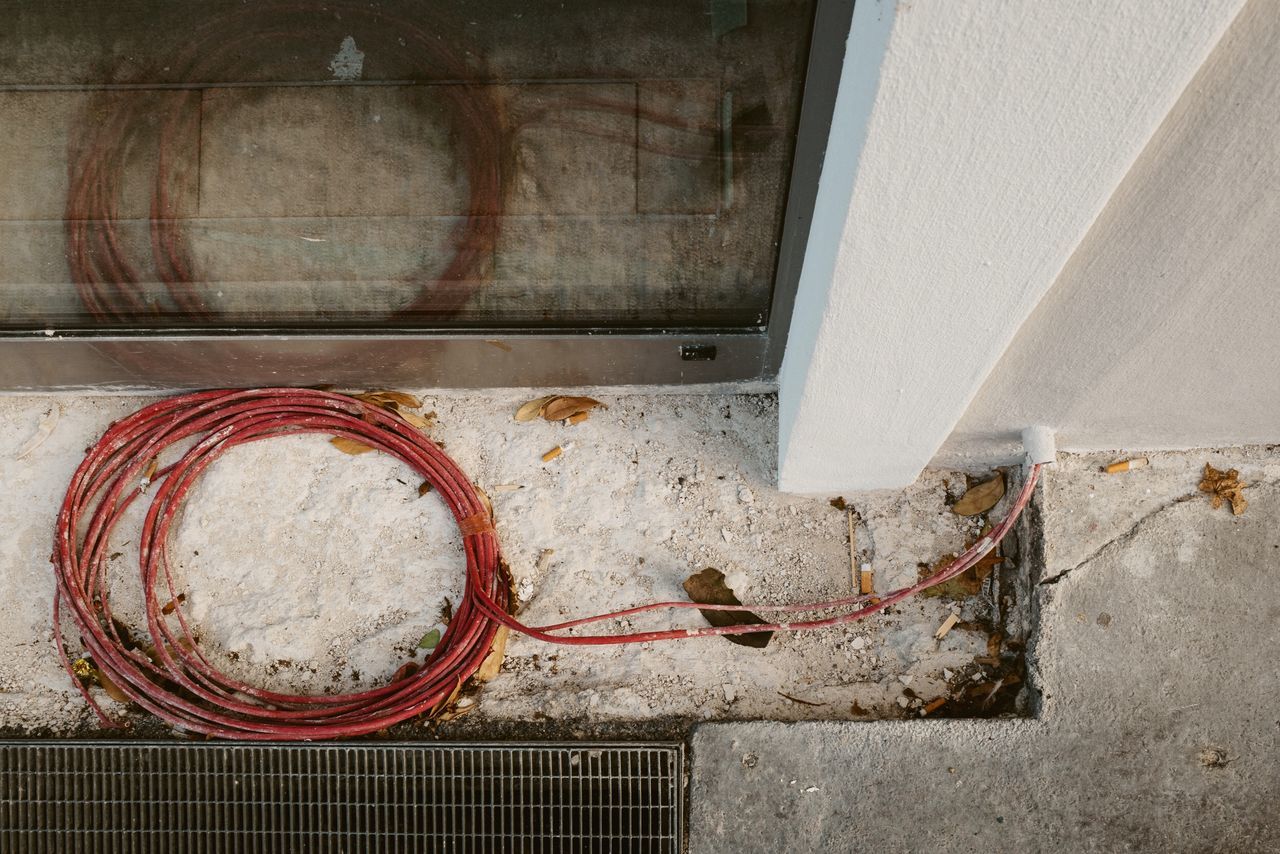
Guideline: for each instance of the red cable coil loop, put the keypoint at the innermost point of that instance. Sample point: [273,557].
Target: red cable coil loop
[183,688]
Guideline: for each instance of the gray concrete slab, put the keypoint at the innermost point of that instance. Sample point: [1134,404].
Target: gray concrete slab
[1159,728]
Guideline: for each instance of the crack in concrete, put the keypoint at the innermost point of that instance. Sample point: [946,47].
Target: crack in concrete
[1133,530]
[1124,537]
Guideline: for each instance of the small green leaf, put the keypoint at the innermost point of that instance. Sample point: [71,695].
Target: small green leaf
[430,639]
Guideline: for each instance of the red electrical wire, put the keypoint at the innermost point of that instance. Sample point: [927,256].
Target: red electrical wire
[175,681]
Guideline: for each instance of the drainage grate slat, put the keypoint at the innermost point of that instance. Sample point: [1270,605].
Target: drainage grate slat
[216,797]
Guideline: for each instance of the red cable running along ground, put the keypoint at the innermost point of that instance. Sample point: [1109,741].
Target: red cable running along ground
[176,681]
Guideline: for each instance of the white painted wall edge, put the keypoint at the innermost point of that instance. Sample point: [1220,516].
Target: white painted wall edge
[972,146]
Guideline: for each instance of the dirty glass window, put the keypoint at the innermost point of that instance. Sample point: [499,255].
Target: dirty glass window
[227,165]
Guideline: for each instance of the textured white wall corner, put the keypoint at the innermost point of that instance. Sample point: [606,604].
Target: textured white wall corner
[1161,330]
[972,146]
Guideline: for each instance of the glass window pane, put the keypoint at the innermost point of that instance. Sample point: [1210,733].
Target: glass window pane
[395,164]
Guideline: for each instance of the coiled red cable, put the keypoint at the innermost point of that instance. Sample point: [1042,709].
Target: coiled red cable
[175,680]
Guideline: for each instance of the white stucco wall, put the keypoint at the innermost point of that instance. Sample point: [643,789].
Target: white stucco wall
[1164,329]
[973,146]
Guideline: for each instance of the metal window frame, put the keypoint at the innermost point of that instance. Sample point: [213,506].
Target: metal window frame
[472,358]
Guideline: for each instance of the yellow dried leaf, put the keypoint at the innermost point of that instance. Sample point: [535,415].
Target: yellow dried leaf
[532,409]
[566,407]
[492,663]
[349,446]
[980,498]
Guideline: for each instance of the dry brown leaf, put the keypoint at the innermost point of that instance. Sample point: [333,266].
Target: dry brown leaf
[980,498]
[561,408]
[532,409]
[349,446]
[422,422]
[463,708]
[446,708]
[492,663]
[484,499]
[405,671]
[964,585]
[708,588]
[383,397]
[112,689]
[1224,487]
[424,488]
[172,604]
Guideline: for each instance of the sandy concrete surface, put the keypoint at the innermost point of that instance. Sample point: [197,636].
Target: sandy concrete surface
[1159,724]
[307,569]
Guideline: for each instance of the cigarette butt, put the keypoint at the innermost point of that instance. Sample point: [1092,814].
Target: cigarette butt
[947,625]
[866,580]
[552,454]
[579,418]
[933,706]
[1126,465]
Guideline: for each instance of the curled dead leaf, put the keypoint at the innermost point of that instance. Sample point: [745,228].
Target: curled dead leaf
[1224,487]
[485,500]
[405,671]
[533,409]
[560,408]
[422,422]
[708,588]
[113,690]
[349,446]
[981,497]
[383,397]
[492,663]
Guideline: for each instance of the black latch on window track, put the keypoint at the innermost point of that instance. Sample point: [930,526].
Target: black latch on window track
[698,352]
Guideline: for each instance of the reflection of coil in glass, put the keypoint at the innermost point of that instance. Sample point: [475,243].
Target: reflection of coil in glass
[112,284]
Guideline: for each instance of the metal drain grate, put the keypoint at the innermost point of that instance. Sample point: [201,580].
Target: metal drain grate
[214,797]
